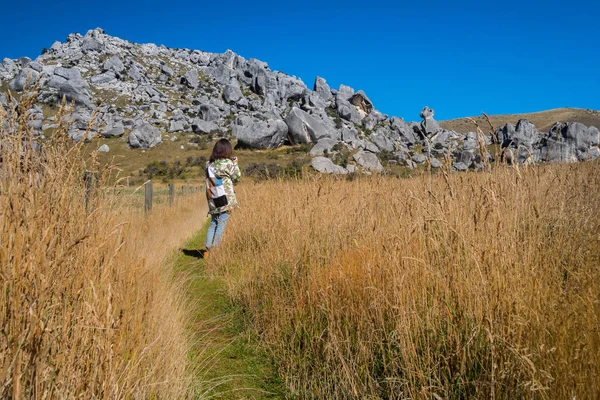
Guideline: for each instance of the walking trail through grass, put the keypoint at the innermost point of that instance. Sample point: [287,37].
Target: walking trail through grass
[228,361]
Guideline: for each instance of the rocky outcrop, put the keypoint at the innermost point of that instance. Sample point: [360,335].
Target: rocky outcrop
[261,134]
[144,137]
[151,89]
[304,128]
[326,166]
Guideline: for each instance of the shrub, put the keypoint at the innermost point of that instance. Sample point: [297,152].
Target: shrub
[201,140]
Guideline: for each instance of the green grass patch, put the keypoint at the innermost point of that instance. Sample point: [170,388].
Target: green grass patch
[228,362]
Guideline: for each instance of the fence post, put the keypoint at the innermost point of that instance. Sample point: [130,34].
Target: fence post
[89,178]
[171,193]
[183,190]
[148,197]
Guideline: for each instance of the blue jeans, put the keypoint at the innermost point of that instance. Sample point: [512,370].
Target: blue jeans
[216,229]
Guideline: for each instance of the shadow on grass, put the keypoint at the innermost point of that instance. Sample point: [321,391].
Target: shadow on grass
[193,253]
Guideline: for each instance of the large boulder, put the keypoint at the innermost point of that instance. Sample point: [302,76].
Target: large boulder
[371,120]
[113,129]
[348,111]
[429,126]
[114,64]
[204,127]
[326,166]
[69,83]
[368,161]
[209,112]
[521,143]
[267,134]
[381,139]
[232,92]
[92,41]
[524,134]
[303,127]
[345,93]
[144,137]
[26,76]
[404,130]
[105,78]
[191,79]
[323,89]
[569,142]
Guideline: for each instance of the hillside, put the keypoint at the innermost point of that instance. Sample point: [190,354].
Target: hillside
[543,120]
[141,96]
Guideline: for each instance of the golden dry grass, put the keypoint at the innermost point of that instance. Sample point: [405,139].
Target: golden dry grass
[88,309]
[466,286]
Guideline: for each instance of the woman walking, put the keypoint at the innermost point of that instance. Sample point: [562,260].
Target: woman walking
[222,172]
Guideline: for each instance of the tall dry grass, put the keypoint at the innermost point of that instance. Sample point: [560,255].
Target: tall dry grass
[88,308]
[471,285]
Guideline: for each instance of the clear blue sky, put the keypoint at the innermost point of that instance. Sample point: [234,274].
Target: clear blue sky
[460,58]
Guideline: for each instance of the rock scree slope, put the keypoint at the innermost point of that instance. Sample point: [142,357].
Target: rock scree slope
[144,93]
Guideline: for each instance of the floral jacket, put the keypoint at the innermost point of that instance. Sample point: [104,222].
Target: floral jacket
[221,175]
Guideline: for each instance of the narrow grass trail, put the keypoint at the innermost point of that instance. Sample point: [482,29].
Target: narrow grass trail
[229,365]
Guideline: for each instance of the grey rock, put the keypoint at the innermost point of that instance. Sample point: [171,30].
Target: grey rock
[204,127]
[77,135]
[103,79]
[322,89]
[371,120]
[261,134]
[168,71]
[69,83]
[176,126]
[209,112]
[322,146]
[524,134]
[345,93]
[429,126]
[435,163]
[303,127]
[465,157]
[243,120]
[459,166]
[36,66]
[191,79]
[571,141]
[68,73]
[91,43]
[404,130]
[419,158]
[326,166]
[104,148]
[144,137]
[368,161]
[232,92]
[348,111]
[26,76]
[135,73]
[382,140]
[115,129]
[113,64]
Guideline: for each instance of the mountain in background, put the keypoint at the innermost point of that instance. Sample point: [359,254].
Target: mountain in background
[146,94]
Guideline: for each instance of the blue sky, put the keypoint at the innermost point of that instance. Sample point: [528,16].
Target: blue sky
[460,58]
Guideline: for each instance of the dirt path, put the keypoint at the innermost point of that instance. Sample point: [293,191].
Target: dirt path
[229,364]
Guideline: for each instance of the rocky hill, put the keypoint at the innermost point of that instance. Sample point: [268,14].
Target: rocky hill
[543,120]
[145,94]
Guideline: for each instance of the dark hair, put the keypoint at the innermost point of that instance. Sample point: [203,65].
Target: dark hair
[222,150]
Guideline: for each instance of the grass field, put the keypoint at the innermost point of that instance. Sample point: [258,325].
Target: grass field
[463,286]
[474,285]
